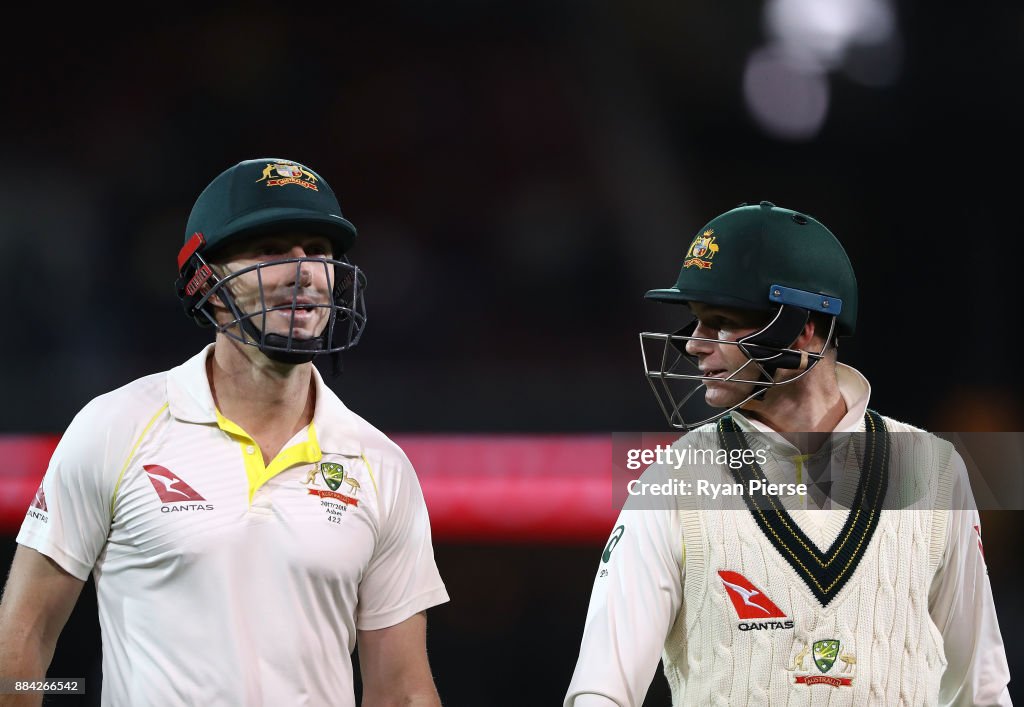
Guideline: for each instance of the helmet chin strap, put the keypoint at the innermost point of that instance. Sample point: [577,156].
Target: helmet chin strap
[302,350]
[771,346]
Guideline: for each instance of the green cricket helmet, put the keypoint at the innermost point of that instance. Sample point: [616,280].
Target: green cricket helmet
[758,258]
[263,197]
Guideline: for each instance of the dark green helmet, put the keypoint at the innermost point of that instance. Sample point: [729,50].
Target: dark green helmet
[763,258]
[267,195]
[758,257]
[272,196]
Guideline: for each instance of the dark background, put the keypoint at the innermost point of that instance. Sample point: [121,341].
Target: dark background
[520,174]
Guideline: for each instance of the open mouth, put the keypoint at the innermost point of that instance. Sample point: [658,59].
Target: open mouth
[299,306]
[303,314]
[714,373]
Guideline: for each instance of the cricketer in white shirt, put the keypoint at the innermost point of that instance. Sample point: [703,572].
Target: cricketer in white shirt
[734,624]
[221,581]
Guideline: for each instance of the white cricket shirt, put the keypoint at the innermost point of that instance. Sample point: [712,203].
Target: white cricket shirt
[221,580]
[639,593]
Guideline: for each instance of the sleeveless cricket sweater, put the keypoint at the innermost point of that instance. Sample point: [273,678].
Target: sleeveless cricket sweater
[804,607]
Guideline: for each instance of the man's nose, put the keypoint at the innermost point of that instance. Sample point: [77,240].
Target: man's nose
[303,272]
[698,348]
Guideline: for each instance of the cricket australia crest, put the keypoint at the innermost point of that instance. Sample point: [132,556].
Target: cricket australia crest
[333,474]
[824,655]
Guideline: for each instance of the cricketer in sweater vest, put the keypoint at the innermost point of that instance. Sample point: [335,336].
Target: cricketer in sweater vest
[781,605]
[870,589]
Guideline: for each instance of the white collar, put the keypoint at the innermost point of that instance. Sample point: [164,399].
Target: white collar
[189,399]
[856,392]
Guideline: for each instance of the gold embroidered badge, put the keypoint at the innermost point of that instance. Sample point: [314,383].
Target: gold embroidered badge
[702,250]
[278,174]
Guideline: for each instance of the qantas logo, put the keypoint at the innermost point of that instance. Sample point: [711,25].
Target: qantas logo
[40,500]
[751,604]
[172,489]
[169,486]
[37,509]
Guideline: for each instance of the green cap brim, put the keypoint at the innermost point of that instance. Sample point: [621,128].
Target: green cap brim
[276,220]
[674,296]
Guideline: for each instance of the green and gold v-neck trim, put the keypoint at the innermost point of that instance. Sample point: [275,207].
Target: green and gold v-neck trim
[824,573]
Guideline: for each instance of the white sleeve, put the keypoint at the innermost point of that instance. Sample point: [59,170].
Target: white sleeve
[961,605]
[637,594]
[401,578]
[69,519]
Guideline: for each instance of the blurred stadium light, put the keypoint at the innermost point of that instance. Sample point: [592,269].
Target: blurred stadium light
[785,83]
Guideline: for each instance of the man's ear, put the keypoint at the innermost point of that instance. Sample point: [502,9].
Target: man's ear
[807,335]
[221,271]
[814,333]
[215,300]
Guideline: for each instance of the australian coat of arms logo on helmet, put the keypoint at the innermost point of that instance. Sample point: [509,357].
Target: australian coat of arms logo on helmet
[702,250]
[288,174]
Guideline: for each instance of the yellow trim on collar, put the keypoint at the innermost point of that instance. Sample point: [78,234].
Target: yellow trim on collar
[306,452]
[799,460]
